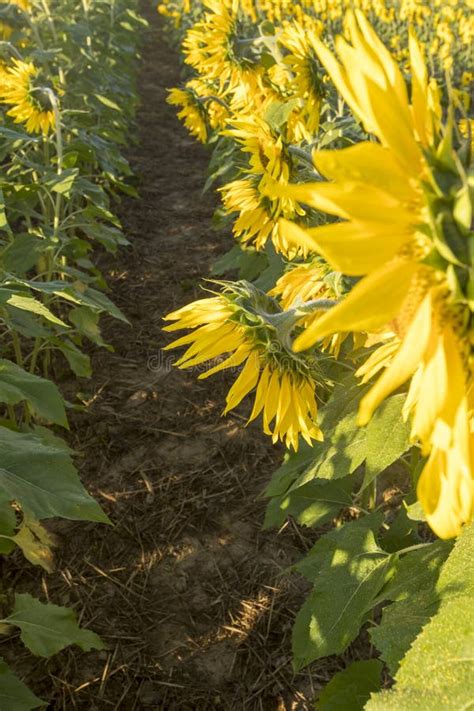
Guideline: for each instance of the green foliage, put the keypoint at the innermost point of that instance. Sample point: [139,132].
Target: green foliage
[437,672]
[347,446]
[412,591]
[14,695]
[348,569]
[312,504]
[46,628]
[349,689]
[57,197]
[43,480]
[17,385]
[387,437]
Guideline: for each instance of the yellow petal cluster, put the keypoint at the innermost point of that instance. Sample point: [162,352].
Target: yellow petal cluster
[283,396]
[380,193]
[18,89]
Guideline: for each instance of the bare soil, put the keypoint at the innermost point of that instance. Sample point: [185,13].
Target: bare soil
[185,589]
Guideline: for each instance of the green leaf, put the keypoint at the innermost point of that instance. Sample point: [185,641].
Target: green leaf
[388,437]
[7,525]
[79,362]
[348,570]
[21,255]
[14,694]
[28,303]
[341,453]
[437,673]
[289,470]
[344,446]
[3,215]
[43,479]
[349,689]
[44,397]
[278,113]
[310,505]
[247,261]
[109,237]
[46,628]
[412,590]
[402,533]
[86,320]
[108,102]
[62,184]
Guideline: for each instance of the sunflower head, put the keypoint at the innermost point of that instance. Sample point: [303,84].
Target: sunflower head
[248,327]
[192,113]
[28,94]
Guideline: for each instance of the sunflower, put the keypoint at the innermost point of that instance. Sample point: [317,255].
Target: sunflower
[259,217]
[211,47]
[230,324]
[193,113]
[306,83]
[407,195]
[31,102]
[268,163]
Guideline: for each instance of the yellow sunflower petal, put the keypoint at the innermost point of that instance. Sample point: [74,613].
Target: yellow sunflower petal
[388,286]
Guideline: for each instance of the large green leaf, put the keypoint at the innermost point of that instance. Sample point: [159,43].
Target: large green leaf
[77,293]
[388,437]
[14,694]
[349,689]
[412,588]
[344,447]
[86,320]
[32,305]
[22,253]
[348,570]
[79,362]
[310,505]
[437,672]
[46,628]
[43,479]
[16,385]
[292,466]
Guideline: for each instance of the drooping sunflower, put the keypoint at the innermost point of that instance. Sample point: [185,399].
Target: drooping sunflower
[192,113]
[306,83]
[268,163]
[31,103]
[406,213]
[231,324]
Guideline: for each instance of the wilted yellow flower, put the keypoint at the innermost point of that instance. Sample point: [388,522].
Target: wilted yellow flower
[306,83]
[31,103]
[259,215]
[193,112]
[284,386]
[416,267]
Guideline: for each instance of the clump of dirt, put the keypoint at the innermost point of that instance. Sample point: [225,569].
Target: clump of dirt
[185,589]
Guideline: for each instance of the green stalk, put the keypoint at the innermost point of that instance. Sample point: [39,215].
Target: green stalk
[50,19]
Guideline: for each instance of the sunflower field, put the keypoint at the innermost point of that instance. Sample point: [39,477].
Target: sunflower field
[340,138]
[61,170]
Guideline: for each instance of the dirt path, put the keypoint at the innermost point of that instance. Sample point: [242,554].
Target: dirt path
[185,588]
